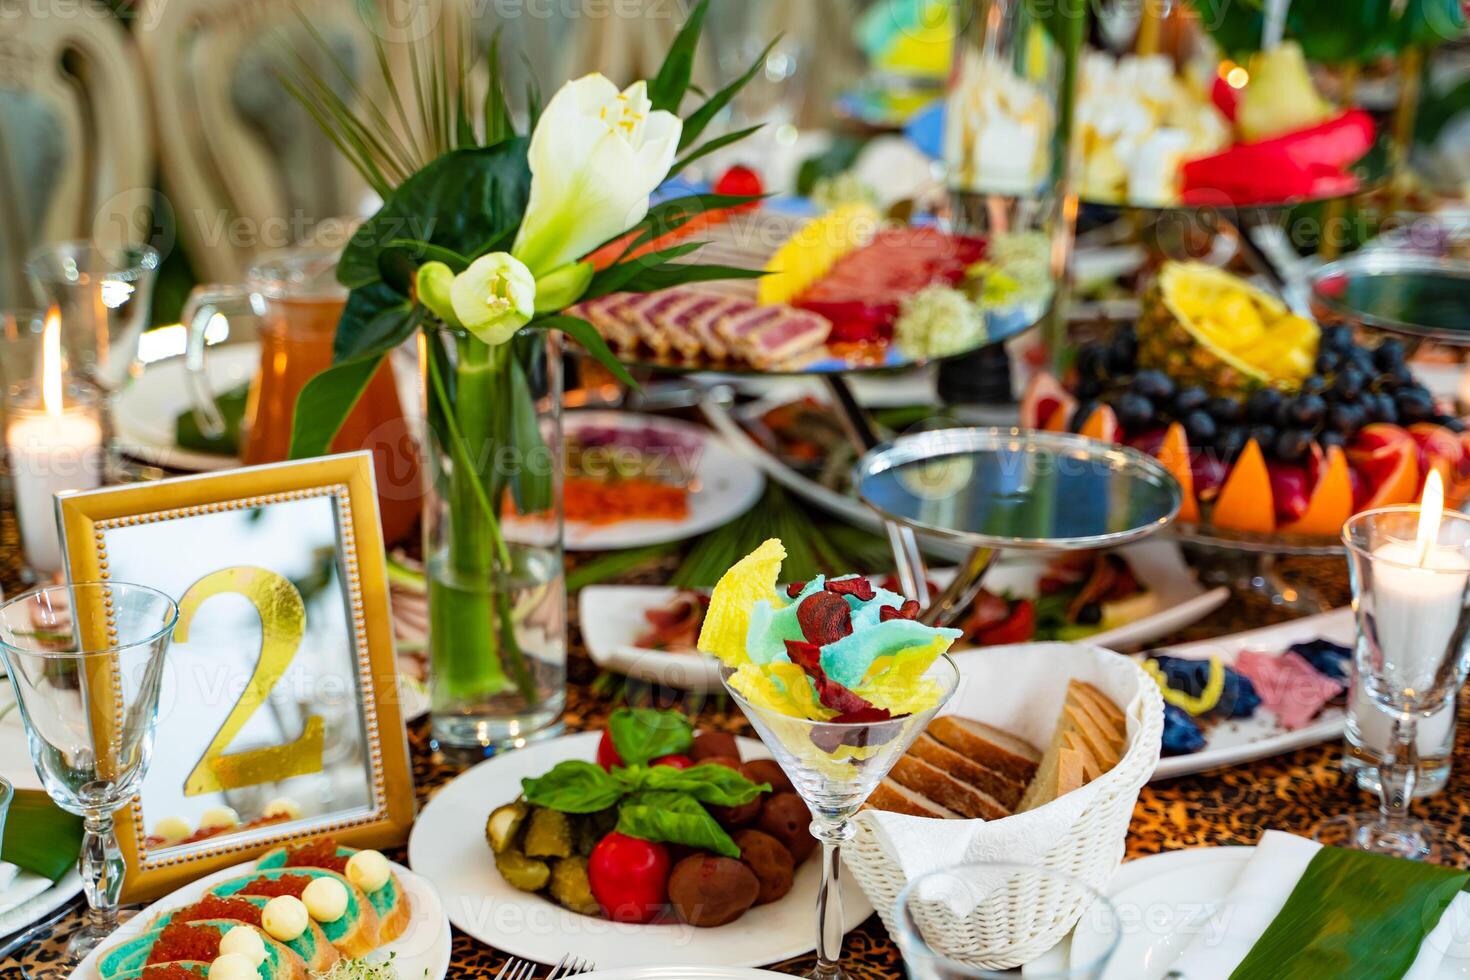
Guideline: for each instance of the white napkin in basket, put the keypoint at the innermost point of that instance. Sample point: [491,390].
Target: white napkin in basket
[1259,895]
[1028,704]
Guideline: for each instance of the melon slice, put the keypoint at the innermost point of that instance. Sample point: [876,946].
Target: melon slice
[1332,499]
[1174,456]
[1102,425]
[811,253]
[1245,502]
[1043,399]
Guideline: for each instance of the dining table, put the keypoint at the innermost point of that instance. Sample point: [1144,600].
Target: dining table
[1231,806]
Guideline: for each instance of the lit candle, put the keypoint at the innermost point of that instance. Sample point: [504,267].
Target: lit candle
[1418,598]
[53,447]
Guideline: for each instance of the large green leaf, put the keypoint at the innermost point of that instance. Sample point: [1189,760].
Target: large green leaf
[464,198]
[667,89]
[1352,914]
[375,320]
[590,340]
[326,401]
[39,836]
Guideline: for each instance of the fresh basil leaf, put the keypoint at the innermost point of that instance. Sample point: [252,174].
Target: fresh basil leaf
[573,786]
[591,341]
[713,784]
[667,89]
[674,818]
[643,734]
[459,201]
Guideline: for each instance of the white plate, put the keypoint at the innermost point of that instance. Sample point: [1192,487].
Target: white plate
[684,973]
[725,486]
[1165,901]
[612,616]
[1231,742]
[421,952]
[148,409]
[448,847]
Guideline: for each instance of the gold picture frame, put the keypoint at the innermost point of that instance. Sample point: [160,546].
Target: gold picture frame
[113,532]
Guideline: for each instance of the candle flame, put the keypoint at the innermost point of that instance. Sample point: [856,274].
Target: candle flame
[51,363]
[1431,512]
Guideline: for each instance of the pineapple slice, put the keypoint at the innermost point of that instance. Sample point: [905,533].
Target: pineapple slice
[810,254]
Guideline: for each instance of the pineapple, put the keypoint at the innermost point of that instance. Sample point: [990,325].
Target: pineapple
[1204,326]
[810,254]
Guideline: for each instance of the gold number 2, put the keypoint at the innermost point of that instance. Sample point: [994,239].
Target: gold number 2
[282,625]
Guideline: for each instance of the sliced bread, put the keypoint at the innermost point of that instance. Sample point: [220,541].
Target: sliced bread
[1088,741]
[988,745]
[1005,789]
[192,942]
[942,788]
[355,934]
[897,798]
[312,945]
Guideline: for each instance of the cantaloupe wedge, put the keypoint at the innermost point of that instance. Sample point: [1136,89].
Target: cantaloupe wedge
[1245,502]
[1102,425]
[1331,502]
[1174,456]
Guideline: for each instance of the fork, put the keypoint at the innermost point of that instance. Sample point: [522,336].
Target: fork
[517,969]
[570,966]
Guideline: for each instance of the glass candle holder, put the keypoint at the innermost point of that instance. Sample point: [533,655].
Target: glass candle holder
[1410,570]
[51,446]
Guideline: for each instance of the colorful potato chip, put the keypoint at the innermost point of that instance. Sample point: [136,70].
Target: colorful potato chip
[897,682]
[749,580]
[848,660]
[868,614]
[779,687]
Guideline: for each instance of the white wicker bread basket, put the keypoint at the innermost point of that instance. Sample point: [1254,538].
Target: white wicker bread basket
[1026,917]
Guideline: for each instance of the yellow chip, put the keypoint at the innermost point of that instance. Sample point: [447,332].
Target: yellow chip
[727,620]
[781,688]
[897,682]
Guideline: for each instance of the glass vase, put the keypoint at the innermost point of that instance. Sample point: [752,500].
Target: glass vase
[493,539]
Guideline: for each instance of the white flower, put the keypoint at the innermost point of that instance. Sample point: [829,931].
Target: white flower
[596,156]
[494,297]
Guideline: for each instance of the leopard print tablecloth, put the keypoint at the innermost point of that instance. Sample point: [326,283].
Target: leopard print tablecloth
[1232,806]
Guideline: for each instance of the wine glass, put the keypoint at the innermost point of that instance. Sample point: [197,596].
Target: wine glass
[86,662]
[1410,569]
[936,908]
[834,767]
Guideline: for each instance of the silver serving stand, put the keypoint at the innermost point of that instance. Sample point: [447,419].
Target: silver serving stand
[1416,297]
[993,489]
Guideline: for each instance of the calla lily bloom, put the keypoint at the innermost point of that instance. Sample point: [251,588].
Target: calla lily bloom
[560,289]
[595,157]
[434,282]
[494,297]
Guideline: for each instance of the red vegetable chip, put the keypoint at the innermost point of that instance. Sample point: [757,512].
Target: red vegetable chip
[838,697]
[824,618]
[856,586]
[909,610]
[794,589]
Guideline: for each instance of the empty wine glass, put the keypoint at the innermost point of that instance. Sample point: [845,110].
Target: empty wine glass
[935,915]
[102,294]
[834,767]
[86,662]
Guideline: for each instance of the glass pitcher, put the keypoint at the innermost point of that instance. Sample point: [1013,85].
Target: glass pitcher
[297,301]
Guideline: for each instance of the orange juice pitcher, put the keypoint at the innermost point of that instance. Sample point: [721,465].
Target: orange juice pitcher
[297,300]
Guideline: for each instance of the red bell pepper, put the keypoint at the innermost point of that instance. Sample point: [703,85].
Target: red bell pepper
[1308,163]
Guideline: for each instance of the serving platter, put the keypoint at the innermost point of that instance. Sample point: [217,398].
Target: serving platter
[612,616]
[1232,742]
[448,848]
[422,952]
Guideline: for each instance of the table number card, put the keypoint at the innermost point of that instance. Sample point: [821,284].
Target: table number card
[279,716]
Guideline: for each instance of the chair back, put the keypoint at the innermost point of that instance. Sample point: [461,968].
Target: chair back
[76,147]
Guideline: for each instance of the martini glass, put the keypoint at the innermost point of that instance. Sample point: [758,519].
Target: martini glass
[86,661]
[834,767]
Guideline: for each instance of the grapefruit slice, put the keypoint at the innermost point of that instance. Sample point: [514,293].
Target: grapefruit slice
[1245,502]
[1044,396]
[1332,499]
[1102,425]
[1174,456]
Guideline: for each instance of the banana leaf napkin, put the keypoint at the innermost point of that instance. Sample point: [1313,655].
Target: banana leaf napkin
[1300,910]
[40,837]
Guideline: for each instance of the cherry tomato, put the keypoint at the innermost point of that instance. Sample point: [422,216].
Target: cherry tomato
[740,180]
[676,761]
[607,756]
[1018,627]
[629,878]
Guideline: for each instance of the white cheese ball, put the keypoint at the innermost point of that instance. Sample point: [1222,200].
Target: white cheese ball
[172,829]
[232,966]
[243,941]
[325,899]
[368,870]
[285,918]
[218,817]
[282,807]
